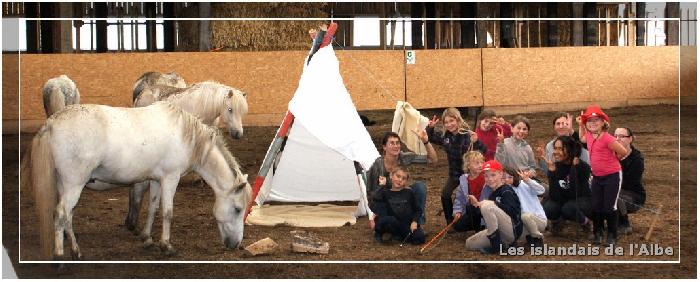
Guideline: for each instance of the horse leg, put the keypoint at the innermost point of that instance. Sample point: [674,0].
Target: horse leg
[64,220]
[154,199]
[135,198]
[168,186]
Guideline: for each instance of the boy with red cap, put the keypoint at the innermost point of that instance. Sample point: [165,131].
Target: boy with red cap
[604,152]
[501,213]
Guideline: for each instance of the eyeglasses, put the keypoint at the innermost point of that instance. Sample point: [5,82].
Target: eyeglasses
[620,136]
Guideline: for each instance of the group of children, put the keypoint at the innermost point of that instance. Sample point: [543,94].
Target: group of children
[494,173]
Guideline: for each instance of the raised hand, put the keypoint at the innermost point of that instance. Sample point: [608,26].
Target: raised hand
[421,133]
[433,121]
[382,181]
[499,135]
[473,137]
[500,120]
[578,119]
[539,151]
[570,121]
[524,175]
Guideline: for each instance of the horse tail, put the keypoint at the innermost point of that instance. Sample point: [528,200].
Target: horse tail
[43,175]
[139,86]
[54,100]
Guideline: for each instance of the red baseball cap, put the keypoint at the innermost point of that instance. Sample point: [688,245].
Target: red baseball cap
[492,165]
[594,111]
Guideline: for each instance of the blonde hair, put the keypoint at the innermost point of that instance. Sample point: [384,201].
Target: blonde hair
[454,113]
[471,156]
[402,168]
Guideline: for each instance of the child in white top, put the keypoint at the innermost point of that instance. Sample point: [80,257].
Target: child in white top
[533,216]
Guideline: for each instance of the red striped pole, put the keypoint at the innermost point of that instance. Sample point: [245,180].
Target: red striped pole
[269,157]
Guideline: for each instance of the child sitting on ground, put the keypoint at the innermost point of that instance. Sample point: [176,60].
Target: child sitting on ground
[470,183]
[532,214]
[396,211]
[501,212]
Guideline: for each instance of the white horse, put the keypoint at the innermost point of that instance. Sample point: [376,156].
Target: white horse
[156,78]
[128,145]
[207,100]
[58,93]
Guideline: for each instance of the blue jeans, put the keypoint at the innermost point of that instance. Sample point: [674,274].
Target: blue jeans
[420,190]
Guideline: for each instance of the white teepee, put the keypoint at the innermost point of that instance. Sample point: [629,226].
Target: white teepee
[326,138]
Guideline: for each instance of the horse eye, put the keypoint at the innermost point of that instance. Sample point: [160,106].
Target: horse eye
[230,110]
[238,210]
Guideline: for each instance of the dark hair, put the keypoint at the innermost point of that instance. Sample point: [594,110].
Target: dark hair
[514,174]
[389,135]
[558,116]
[486,114]
[571,147]
[522,119]
[629,131]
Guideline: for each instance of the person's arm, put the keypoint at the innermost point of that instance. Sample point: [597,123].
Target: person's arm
[478,145]
[430,150]
[531,160]
[509,202]
[433,136]
[461,197]
[581,129]
[378,205]
[634,172]
[535,187]
[583,173]
[432,155]
[619,150]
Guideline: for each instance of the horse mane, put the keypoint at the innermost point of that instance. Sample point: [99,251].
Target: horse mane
[201,135]
[207,99]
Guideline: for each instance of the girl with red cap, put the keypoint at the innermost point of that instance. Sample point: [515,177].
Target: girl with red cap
[605,153]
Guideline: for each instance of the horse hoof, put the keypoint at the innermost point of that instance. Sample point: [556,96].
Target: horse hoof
[76,255]
[148,244]
[171,252]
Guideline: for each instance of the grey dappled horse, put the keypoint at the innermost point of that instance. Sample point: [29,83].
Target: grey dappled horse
[152,78]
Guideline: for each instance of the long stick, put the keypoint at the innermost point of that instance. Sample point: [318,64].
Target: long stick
[653,222]
[438,235]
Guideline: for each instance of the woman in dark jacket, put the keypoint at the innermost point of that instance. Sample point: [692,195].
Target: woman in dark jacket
[632,195]
[569,192]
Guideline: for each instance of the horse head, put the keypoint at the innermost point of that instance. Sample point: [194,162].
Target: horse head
[229,211]
[235,107]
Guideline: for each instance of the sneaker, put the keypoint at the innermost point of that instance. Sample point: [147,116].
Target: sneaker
[386,237]
[626,230]
[611,241]
[598,239]
[555,227]
[377,237]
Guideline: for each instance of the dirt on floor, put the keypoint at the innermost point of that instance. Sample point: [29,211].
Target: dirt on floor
[99,221]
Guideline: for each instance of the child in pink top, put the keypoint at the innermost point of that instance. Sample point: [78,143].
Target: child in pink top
[604,152]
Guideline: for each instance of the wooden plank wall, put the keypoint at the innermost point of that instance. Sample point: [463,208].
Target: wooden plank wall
[578,74]
[524,79]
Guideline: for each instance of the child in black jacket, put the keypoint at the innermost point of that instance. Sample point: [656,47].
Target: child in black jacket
[397,211]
